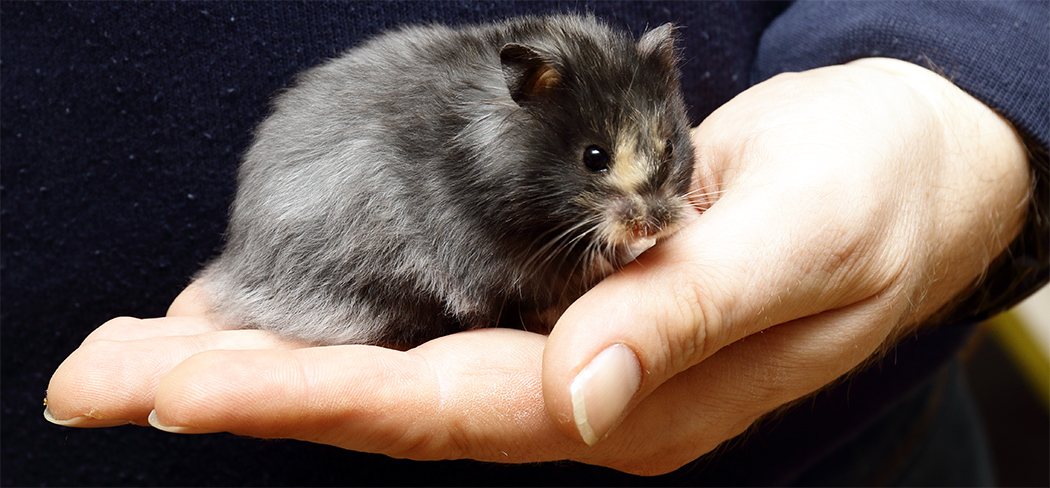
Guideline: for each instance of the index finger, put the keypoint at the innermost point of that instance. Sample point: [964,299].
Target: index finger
[474,394]
[190,306]
[112,377]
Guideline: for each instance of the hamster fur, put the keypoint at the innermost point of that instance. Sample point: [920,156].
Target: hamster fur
[438,179]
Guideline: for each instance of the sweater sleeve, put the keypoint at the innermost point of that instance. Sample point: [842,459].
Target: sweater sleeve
[999,52]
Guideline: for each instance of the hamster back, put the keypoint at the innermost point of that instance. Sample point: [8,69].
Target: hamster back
[437,179]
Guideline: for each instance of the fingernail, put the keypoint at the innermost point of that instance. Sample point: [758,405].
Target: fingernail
[73,422]
[601,392]
[83,421]
[155,422]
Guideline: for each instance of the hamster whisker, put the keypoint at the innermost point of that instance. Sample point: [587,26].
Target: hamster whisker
[702,198]
[533,255]
[585,267]
[558,246]
[699,192]
[561,248]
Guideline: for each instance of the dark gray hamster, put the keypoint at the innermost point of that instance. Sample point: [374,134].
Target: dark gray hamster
[438,179]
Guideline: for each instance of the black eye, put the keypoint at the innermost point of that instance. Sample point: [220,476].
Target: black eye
[595,158]
[668,148]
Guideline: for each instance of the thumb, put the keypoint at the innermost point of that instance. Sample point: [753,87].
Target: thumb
[640,326]
[692,294]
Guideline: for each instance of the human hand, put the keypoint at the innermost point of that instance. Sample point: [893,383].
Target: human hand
[851,203]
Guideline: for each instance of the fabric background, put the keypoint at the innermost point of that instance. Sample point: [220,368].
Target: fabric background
[120,129]
[122,124]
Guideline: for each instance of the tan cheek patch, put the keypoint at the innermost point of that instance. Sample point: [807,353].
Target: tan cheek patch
[629,171]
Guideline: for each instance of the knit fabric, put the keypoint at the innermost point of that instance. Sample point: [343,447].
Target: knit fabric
[121,128]
[996,51]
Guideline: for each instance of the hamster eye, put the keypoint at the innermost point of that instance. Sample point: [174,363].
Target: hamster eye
[595,158]
[668,148]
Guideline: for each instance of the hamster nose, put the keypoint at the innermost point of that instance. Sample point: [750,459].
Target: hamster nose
[641,229]
[639,218]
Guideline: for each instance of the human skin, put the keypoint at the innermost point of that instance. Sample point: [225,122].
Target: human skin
[844,206]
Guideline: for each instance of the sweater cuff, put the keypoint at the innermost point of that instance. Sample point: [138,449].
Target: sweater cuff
[996,51]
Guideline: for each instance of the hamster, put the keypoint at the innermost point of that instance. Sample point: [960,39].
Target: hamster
[436,179]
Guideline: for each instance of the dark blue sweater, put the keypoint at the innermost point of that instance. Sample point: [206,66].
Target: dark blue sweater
[121,129]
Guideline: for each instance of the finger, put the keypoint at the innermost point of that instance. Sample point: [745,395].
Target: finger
[471,395]
[488,406]
[191,302]
[787,239]
[724,395]
[189,314]
[190,307]
[112,382]
[132,329]
[688,297]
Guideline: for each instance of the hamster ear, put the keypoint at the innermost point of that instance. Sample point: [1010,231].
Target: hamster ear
[659,43]
[529,74]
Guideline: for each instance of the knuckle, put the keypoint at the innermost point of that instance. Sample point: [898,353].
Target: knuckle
[429,444]
[697,317]
[113,329]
